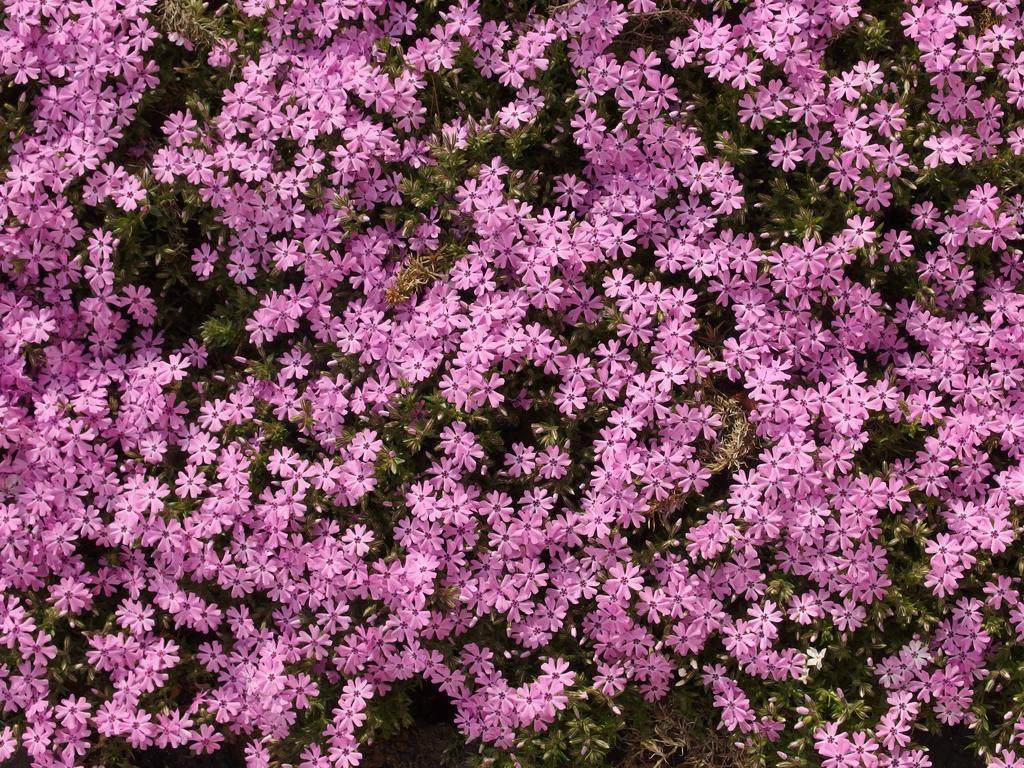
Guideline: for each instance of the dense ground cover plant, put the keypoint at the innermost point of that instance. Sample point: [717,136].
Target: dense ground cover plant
[583,361]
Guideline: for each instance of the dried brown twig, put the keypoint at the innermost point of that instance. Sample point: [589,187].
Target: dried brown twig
[736,438]
[187,19]
[682,740]
[422,269]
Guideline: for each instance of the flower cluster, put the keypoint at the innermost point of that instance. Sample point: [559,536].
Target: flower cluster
[559,357]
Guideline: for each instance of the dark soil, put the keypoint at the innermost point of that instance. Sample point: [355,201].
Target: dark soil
[422,746]
[951,749]
[431,742]
[228,756]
